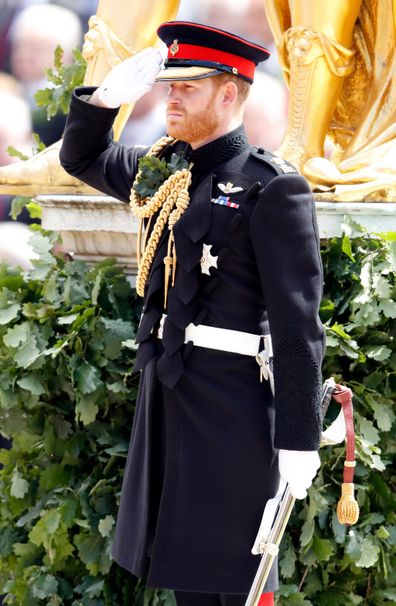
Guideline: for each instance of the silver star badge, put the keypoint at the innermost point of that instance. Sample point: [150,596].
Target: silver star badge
[207,260]
[228,188]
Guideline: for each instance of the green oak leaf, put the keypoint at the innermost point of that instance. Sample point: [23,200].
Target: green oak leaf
[87,408]
[369,553]
[15,153]
[19,486]
[383,415]
[388,308]
[322,548]
[43,531]
[87,378]
[8,536]
[350,226]
[368,431]
[177,162]
[347,247]
[153,172]
[17,335]
[45,586]
[105,526]
[32,383]
[378,352]
[17,205]
[9,313]
[288,561]
[307,532]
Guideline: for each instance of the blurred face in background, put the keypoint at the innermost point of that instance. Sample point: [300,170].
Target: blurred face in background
[30,54]
[15,126]
[36,32]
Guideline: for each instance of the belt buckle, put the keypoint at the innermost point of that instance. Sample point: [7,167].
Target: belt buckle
[262,360]
[160,330]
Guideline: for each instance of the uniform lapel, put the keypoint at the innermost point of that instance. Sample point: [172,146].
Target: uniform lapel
[195,223]
[196,220]
[161,251]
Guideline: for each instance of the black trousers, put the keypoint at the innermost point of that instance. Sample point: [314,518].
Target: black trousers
[187,598]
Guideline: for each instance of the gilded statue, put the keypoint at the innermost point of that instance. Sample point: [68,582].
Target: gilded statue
[117,31]
[339,61]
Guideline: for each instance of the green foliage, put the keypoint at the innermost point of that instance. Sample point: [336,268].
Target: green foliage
[66,399]
[64,79]
[15,153]
[67,396]
[333,564]
[153,173]
[20,202]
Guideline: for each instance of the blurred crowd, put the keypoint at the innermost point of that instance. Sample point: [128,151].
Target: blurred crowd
[29,34]
[31,29]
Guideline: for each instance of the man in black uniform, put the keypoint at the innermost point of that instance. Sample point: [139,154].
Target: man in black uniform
[230,255]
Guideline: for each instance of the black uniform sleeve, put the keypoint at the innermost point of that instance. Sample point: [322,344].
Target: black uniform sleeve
[286,245]
[89,152]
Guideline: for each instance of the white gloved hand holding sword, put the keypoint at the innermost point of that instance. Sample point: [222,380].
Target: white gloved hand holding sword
[298,469]
[129,80]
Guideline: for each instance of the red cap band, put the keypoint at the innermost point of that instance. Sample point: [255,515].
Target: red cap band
[239,65]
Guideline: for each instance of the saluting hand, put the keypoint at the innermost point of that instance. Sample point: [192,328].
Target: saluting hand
[130,79]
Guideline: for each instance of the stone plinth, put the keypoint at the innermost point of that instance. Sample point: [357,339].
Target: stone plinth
[95,227]
[92,227]
[374,216]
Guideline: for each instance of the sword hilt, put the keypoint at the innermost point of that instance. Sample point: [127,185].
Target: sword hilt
[285,504]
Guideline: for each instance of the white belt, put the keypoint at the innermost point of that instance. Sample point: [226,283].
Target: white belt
[233,341]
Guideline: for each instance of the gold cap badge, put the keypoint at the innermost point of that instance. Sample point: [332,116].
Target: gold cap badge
[174,48]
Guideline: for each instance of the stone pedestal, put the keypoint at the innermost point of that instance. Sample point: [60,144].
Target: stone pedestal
[92,227]
[95,227]
[376,217]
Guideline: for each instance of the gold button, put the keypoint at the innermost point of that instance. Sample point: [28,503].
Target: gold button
[235,70]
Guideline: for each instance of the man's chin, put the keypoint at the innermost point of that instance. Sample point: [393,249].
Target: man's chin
[176,131]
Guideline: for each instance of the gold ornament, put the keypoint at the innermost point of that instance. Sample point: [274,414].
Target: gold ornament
[339,62]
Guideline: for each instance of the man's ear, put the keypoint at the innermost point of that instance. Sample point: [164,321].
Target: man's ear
[230,93]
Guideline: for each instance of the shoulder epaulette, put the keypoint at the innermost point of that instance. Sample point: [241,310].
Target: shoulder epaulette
[280,165]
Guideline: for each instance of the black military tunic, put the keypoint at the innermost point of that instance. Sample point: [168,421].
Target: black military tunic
[203,453]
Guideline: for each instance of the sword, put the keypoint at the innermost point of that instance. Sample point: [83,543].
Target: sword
[278,509]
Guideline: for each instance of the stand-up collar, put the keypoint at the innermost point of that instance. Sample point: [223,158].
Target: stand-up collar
[218,151]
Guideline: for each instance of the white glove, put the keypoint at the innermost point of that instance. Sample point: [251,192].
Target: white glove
[130,79]
[298,468]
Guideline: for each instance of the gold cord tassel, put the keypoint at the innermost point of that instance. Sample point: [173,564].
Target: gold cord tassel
[168,261]
[347,508]
[174,263]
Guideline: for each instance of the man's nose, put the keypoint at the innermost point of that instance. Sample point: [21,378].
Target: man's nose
[173,96]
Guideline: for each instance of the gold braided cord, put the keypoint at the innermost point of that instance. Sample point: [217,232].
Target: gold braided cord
[171,199]
[170,260]
[175,194]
